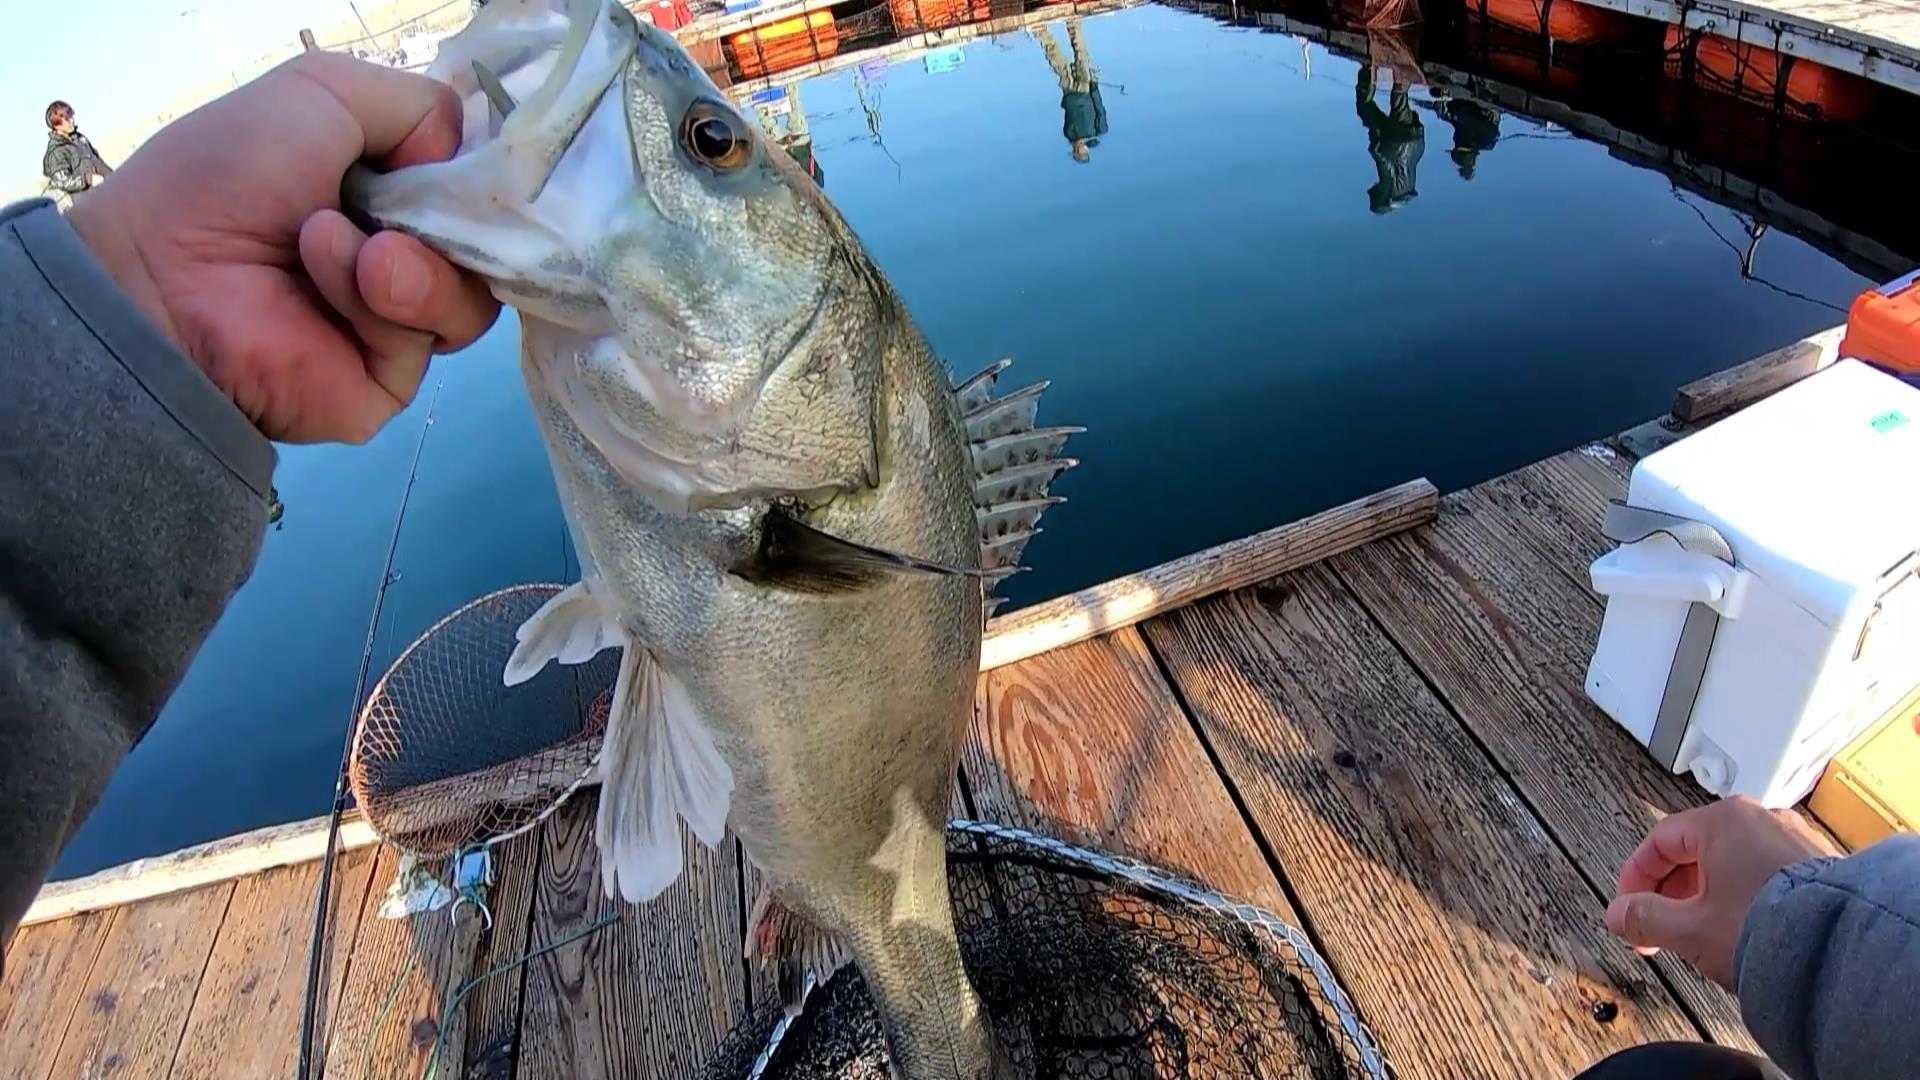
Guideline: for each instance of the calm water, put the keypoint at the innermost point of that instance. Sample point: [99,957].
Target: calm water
[1211,294]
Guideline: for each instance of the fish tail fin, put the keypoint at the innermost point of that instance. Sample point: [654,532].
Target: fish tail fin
[806,955]
[1014,464]
[658,764]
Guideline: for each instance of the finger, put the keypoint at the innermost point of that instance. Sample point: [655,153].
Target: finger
[395,356]
[1650,922]
[404,282]
[404,118]
[1674,841]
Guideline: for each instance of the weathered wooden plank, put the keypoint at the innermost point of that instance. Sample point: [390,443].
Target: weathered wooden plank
[398,977]
[1088,743]
[1504,634]
[133,1006]
[1743,384]
[492,1010]
[648,996]
[1557,506]
[1125,601]
[245,1021]
[203,864]
[47,969]
[1462,931]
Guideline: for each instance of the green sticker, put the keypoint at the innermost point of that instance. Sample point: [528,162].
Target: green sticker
[1888,420]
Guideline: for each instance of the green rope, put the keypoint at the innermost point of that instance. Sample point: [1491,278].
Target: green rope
[393,995]
[460,996]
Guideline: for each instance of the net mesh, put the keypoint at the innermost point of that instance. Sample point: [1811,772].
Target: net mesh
[1094,968]
[446,756]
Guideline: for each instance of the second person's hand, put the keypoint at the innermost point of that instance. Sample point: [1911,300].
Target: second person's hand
[225,229]
[1689,885]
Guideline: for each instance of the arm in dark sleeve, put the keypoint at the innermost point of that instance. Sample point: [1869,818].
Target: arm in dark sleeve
[132,505]
[1828,965]
[61,167]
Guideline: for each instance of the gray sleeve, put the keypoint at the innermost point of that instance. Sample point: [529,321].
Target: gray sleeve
[1828,965]
[132,504]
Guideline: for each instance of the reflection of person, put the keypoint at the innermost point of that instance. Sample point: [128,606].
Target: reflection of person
[1085,113]
[1824,952]
[71,164]
[152,339]
[1395,138]
[1476,129]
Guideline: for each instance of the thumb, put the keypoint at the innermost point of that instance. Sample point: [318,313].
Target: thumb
[1651,922]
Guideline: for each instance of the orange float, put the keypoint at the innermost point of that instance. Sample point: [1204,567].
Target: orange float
[1561,20]
[786,44]
[1754,71]
[913,15]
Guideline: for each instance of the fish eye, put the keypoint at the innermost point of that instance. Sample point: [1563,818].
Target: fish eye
[714,137]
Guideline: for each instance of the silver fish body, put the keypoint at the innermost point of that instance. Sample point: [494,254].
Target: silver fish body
[784,512]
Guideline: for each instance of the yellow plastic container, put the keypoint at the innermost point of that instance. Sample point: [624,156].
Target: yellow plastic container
[1872,789]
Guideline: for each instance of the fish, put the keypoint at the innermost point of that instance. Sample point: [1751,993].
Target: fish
[787,516]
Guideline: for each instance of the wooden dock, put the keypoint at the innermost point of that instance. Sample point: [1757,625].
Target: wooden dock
[1371,723]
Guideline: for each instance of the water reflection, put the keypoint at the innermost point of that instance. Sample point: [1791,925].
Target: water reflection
[1084,114]
[1476,128]
[1395,138]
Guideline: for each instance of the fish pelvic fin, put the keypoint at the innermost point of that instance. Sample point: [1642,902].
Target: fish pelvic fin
[1014,464]
[806,955]
[658,765]
[571,628]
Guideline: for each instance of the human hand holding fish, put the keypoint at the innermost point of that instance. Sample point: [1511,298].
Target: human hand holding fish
[225,230]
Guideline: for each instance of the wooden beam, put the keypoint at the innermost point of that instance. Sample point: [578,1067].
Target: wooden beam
[1743,384]
[203,864]
[1247,561]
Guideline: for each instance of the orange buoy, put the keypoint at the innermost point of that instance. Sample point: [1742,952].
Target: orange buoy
[1561,20]
[913,15]
[786,44]
[1754,71]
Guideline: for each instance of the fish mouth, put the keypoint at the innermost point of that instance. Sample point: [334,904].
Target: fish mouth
[530,74]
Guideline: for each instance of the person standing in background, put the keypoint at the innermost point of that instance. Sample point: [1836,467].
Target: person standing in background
[71,164]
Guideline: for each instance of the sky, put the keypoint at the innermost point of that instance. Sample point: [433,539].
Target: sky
[121,61]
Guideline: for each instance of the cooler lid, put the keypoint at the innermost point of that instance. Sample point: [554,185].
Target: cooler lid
[1817,488]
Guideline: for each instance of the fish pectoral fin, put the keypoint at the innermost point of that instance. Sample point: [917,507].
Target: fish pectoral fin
[795,555]
[658,764]
[807,956]
[571,628]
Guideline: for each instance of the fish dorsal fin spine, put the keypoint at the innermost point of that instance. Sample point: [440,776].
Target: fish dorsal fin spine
[658,763]
[1014,463]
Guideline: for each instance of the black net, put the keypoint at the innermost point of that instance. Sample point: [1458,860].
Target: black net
[447,756]
[1094,968]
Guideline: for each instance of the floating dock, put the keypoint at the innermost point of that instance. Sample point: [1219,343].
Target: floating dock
[1370,722]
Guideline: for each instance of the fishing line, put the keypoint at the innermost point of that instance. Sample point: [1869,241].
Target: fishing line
[1738,254]
[315,946]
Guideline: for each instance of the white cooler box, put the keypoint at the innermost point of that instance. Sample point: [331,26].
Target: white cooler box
[1763,606]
